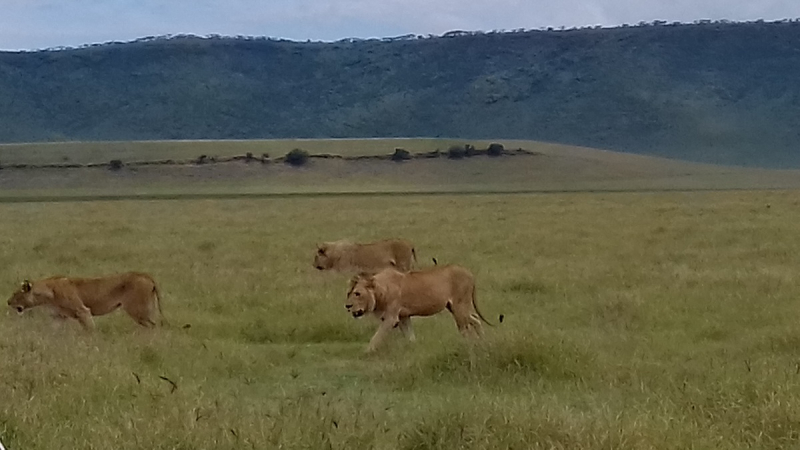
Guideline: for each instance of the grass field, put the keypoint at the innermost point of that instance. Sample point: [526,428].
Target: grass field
[632,321]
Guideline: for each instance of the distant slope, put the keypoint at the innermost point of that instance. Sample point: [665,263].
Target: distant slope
[127,151]
[723,93]
[551,167]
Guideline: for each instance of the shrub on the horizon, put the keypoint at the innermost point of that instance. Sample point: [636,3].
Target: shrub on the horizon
[495,149]
[115,164]
[401,154]
[456,152]
[297,157]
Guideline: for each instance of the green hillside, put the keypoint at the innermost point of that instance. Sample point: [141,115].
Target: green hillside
[712,92]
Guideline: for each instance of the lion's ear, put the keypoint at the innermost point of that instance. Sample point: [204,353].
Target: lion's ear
[26,286]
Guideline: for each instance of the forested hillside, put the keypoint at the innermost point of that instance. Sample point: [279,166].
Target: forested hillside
[716,92]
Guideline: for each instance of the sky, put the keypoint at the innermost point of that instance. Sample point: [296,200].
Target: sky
[37,24]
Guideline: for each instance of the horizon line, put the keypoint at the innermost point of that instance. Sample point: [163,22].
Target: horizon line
[409,36]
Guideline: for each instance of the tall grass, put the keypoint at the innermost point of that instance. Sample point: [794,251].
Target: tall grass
[630,321]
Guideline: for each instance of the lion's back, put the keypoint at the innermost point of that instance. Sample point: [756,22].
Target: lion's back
[123,287]
[380,254]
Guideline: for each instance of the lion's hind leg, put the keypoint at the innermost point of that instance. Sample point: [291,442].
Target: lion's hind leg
[406,328]
[467,320]
[462,320]
[475,324]
[143,312]
[143,319]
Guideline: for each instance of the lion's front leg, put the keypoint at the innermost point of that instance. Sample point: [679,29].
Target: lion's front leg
[387,323]
[84,316]
[59,317]
[68,301]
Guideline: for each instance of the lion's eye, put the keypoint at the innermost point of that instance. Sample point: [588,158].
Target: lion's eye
[357,294]
[321,251]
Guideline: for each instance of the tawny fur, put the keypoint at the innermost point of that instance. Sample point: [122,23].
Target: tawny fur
[395,297]
[81,298]
[346,256]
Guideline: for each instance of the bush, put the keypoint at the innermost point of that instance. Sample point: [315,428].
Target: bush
[248,156]
[495,149]
[470,150]
[297,157]
[401,155]
[115,164]
[456,152]
[202,159]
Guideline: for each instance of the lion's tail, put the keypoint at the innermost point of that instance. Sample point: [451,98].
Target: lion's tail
[475,305]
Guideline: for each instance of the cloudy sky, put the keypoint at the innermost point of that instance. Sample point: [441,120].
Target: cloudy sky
[34,24]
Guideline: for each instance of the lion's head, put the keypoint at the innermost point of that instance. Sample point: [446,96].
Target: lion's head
[23,298]
[323,259]
[361,295]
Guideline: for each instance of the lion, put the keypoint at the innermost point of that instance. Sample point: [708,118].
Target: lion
[82,298]
[395,297]
[343,256]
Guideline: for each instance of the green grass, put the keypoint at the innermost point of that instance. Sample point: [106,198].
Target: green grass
[632,321]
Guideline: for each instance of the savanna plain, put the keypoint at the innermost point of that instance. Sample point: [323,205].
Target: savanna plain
[631,321]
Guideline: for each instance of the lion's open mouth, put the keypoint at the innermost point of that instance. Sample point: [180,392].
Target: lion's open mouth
[358,313]
[319,267]
[19,309]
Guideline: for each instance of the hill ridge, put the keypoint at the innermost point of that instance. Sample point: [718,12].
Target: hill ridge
[712,92]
